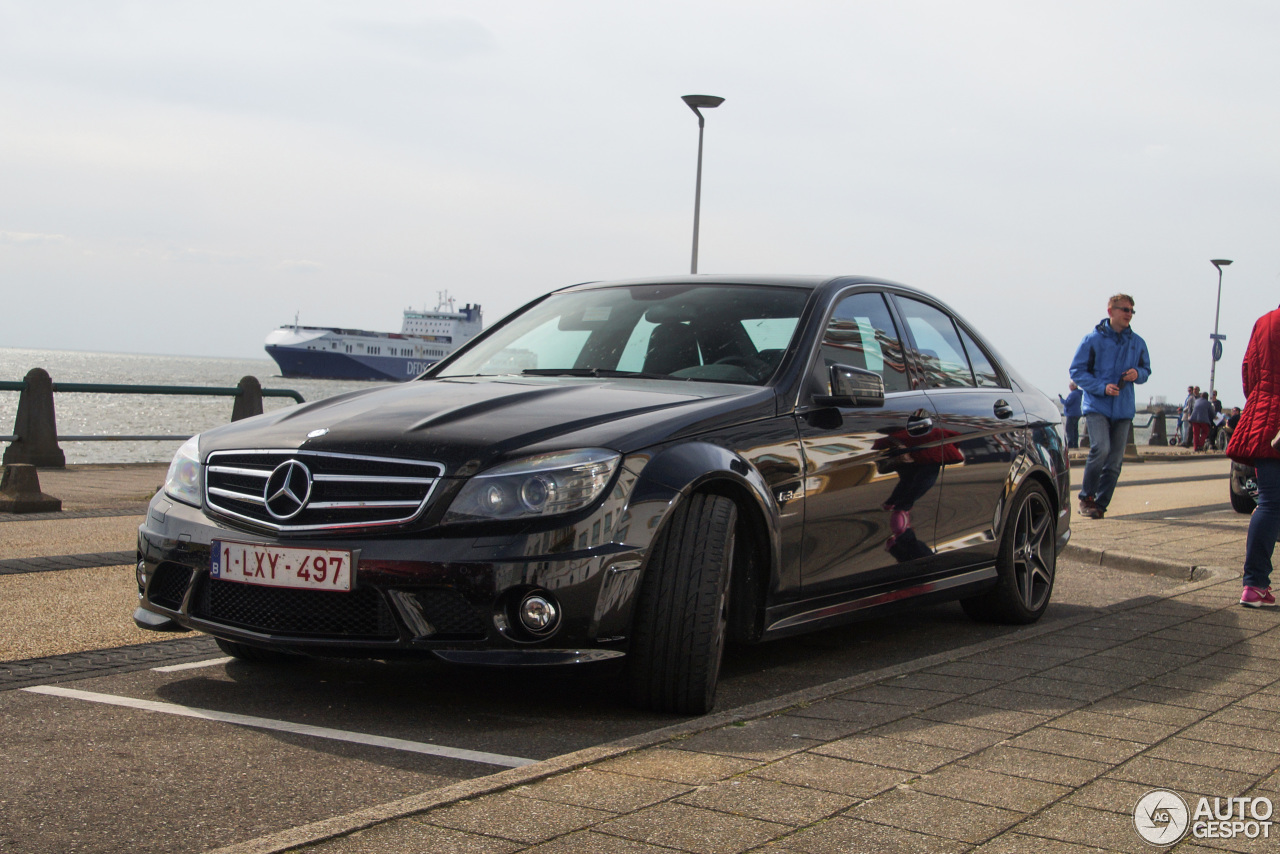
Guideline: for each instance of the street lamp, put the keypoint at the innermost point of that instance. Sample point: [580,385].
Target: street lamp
[1217,339]
[694,102]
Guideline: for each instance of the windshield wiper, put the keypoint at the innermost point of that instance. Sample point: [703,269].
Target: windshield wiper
[595,372]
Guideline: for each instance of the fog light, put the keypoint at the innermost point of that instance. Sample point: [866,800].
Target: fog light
[538,614]
[142,578]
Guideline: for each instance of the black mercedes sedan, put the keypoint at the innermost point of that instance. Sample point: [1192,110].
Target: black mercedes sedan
[642,470]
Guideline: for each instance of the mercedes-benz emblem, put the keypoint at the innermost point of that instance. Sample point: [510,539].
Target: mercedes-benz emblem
[287,490]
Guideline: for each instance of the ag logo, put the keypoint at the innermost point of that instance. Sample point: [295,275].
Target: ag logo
[1161,817]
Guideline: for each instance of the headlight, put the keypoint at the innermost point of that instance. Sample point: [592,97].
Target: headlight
[184,480]
[545,485]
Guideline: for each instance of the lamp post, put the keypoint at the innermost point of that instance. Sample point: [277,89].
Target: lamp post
[694,102]
[1217,339]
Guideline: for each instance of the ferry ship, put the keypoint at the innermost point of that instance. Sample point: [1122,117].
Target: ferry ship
[331,353]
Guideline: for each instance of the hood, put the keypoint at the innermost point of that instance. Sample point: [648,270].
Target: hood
[1104,328]
[470,423]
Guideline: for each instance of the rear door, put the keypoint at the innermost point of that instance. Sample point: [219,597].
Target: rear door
[982,426]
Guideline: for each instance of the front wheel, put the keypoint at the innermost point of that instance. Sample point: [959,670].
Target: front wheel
[1025,563]
[682,611]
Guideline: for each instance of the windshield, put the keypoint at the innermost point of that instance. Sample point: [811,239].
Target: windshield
[716,333]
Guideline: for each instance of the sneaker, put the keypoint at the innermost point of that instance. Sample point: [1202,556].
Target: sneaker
[1090,508]
[1257,597]
[899,521]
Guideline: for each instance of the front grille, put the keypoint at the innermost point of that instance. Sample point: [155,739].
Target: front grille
[336,491]
[361,614]
[168,585]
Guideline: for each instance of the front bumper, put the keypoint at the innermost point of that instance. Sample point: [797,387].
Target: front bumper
[452,597]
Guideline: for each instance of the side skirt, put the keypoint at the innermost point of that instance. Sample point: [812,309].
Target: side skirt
[784,620]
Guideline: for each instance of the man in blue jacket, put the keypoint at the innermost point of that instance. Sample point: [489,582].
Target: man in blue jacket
[1109,361]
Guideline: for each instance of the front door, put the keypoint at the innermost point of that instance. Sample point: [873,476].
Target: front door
[871,474]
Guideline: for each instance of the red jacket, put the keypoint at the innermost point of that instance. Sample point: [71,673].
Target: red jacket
[1261,372]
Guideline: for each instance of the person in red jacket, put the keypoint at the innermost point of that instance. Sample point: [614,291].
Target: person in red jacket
[1255,442]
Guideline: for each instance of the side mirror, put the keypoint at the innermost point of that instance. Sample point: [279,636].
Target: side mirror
[853,387]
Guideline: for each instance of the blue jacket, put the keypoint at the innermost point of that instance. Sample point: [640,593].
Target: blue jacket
[1102,357]
[1071,403]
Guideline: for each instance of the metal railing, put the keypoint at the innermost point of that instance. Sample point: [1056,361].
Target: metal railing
[35,424]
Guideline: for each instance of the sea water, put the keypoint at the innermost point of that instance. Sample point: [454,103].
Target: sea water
[132,414]
[94,414]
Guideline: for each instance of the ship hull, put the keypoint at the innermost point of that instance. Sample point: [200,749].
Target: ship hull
[328,365]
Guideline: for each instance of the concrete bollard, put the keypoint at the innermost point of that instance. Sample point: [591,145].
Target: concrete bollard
[1131,448]
[36,427]
[249,401]
[20,491]
[1159,430]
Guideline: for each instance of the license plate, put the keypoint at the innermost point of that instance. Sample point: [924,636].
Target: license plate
[282,566]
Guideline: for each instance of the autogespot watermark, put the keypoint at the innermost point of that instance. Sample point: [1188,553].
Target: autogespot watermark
[1164,818]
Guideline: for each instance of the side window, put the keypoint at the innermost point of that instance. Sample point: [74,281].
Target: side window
[632,358]
[770,333]
[983,371]
[938,349]
[861,334]
[543,347]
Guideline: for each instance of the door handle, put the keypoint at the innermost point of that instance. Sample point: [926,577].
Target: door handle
[1003,410]
[919,425]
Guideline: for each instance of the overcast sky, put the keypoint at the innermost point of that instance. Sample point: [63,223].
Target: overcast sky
[181,177]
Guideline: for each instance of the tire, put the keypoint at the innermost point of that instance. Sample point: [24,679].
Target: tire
[681,618]
[1242,503]
[1025,563]
[254,654]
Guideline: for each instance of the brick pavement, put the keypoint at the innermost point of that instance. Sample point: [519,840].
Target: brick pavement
[1043,740]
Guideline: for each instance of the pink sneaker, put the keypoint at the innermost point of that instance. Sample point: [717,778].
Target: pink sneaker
[899,521]
[1257,597]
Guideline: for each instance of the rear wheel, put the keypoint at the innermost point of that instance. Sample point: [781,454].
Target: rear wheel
[683,608]
[1025,563]
[256,654]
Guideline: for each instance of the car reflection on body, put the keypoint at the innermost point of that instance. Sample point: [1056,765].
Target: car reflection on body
[642,470]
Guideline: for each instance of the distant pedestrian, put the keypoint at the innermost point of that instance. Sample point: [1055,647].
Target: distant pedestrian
[1217,419]
[1256,442]
[1071,408]
[1233,420]
[1201,419]
[1107,363]
[1184,416]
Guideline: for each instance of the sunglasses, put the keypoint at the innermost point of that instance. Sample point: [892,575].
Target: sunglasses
[1125,309]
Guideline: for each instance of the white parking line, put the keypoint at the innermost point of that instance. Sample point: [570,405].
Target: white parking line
[191,665]
[285,726]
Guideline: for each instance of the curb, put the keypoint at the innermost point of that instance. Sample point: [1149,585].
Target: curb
[319,831]
[1149,565]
